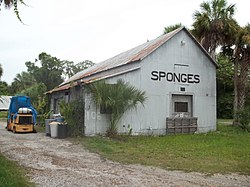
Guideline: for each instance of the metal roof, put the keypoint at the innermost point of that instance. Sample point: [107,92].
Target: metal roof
[63,87]
[132,55]
[135,54]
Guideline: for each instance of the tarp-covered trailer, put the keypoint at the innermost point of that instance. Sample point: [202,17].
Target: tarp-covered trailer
[21,115]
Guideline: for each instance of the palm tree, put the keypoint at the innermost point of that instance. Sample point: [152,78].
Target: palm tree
[13,3]
[1,71]
[213,23]
[21,82]
[241,56]
[117,98]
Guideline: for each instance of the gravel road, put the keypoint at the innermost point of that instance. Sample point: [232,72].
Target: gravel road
[56,162]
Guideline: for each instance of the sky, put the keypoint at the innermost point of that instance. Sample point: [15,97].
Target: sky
[89,29]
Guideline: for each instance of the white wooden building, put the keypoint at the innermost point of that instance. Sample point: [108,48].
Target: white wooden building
[177,74]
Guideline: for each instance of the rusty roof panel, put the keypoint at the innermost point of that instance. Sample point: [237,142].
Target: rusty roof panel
[61,88]
[134,54]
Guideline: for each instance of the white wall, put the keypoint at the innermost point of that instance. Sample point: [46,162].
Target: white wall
[204,92]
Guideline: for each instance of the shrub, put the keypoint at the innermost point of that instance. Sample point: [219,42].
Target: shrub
[118,98]
[73,113]
[244,118]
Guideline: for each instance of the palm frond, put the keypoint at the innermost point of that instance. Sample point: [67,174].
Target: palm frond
[2,99]
[213,24]
[119,97]
[13,3]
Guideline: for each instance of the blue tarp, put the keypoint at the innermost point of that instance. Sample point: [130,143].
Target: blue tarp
[21,102]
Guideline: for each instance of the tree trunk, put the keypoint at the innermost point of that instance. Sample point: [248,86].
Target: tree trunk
[236,69]
[241,79]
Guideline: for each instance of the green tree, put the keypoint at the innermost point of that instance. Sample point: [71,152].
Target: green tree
[36,94]
[21,82]
[4,88]
[118,98]
[172,28]
[213,24]
[241,61]
[12,3]
[238,50]
[82,65]
[52,71]
[225,87]
[49,72]
[243,117]
[73,112]
[70,68]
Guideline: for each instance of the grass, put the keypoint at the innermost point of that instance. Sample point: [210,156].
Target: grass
[225,121]
[11,175]
[225,151]
[3,114]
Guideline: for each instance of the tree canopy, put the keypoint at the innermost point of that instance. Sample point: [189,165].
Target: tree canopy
[71,69]
[213,24]
[44,74]
[21,82]
[49,71]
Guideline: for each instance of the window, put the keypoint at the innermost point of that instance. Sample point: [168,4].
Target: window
[55,105]
[25,120]
[181,107]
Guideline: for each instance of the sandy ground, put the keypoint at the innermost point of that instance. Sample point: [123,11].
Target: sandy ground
[56,162]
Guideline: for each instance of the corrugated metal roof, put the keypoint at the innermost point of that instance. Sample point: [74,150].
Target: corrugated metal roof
[136,54]
[132,55]
[63,87]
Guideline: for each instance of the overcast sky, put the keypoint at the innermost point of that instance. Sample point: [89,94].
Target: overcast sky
[89,29]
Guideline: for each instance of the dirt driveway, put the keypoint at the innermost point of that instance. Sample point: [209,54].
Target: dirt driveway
[54,162]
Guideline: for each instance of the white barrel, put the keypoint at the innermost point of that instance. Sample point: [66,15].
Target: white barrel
[54,129]
[24,110]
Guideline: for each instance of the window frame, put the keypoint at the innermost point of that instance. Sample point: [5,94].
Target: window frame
[179,105]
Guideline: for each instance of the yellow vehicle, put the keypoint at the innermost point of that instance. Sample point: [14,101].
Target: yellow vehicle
[21,115]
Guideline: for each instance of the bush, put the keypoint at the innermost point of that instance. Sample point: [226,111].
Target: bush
[3,114]
[118,98]
[225,105]
[244,118]
[73,113]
